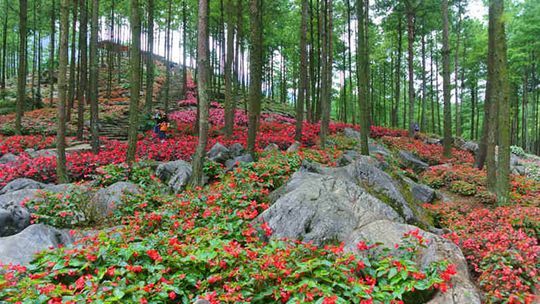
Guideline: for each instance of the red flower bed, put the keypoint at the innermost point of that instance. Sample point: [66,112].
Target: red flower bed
[431,153]
[17,144]
[501,246]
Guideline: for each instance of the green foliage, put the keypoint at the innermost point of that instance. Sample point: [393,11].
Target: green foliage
[463,188]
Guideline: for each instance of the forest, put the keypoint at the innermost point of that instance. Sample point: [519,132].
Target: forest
[257,151]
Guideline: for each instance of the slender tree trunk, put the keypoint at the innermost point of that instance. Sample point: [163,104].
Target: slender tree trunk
[255,67]
[447,141]
[326,67]
[73,63]
[410,58]
[362,63]
[303,87]
[431,87]
[83,75]
[94,78]
[500,90]
[110,54]
[51,53]
[456,65]
[229,98]
[4,48]
[423,118]
[61,171]
[150,59]
[135,89]
[184,47]
[21,74]
[168,58]
[398,75]
[525,112]
[202,82]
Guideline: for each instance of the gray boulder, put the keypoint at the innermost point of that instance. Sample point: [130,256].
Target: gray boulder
[13,216]
[21,248]
[389,233]
[322,209]
[20,184]
[375,148]
[106,200]
[294,147]
[175,174]
[421,193]
[236,149]
[470,146]
[8,158]
[219,153]
[243,159]
[351,133]
[433,141]
[348,157]
[41,153]
[408,160]
[271,147]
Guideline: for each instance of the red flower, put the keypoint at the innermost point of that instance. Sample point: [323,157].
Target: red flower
[154,255]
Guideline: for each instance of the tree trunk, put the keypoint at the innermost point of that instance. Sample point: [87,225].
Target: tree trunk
[4,48]
[326,68]
[83,66]
[21,74]
[410,58]
[500,90]
[51,52]
[423,117]
[94,78]
[398,75]
[447,140]
[229,98]
[150,59]
[255,67]
[303,86]
[202,82]
[61,172]
[362,63]
[135,88]
[73,64]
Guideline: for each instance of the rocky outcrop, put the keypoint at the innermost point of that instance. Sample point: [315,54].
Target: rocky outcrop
[236,150]
[106,200]
[328,205]
[271,147]
[20,184]
[219,153]
[390,233]
[21,248]
[243,159]
[408,160]
[421,193]
[13,216]
[175,174]
[8,158]
[351,133]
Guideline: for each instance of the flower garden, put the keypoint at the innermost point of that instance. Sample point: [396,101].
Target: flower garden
[203,243]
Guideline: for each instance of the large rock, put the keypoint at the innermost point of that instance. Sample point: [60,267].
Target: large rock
[470,146]
[348,157]
[20,184]
[271,147]
[390,233]
[351,133]
[236,149]
[420,193]
[294,147]
[321,209]
[14,217]
[219,153]
[106,200]
[243,159]
[408,160]
[8,158]
[41,153]
[175,174]
[21,248]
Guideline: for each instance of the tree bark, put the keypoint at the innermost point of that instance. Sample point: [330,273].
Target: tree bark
[398,75]
[447,140]
[83,75]
[21,74]
[73,64]
[410,58]
[255,67]
[229,98]
[94,78]
[135,65]
[61,172]
[150,59]
[202,82]
[303,86]
[363,74]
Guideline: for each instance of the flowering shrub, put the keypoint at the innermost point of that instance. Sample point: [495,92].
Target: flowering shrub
[378,132]
[201,244]
[62,210]
[500,244]
[430,153]
[463,188]
[17,144]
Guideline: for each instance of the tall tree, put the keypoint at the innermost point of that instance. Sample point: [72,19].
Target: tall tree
[21,74]
[326,69]
[363,76]
[203,70]
[410,6]
[51,52]
[447,140]
[94,72]
[135,88]
[83,66]
[150,58]
[229,98]
[303,86]
[255,68]
[500,94]
[72,62]
[61,171]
